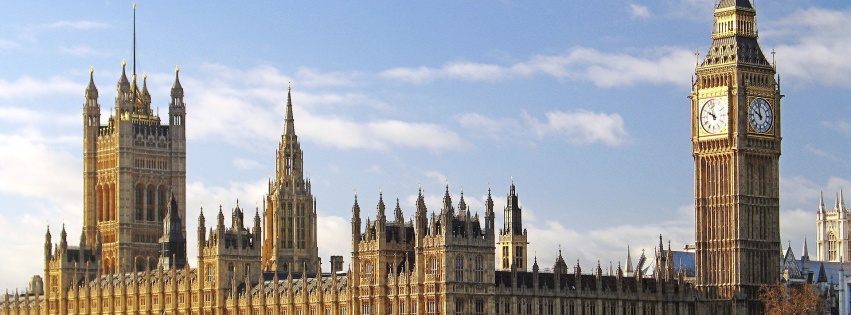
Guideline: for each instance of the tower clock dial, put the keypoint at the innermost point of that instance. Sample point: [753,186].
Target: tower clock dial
[760,115]
[713,116]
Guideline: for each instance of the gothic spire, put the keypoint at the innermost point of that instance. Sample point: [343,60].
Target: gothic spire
[289,129]
[629,269]
[821,202]
[805,253]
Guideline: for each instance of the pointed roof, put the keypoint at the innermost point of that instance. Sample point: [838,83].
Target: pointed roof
[821,202]
[628,260]
[355,208]
[734,3]
[289,128]
[176,88]
[822,275]
[123,83]
[806,253]
[91,89]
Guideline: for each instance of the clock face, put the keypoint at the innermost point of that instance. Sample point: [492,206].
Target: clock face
[713,116]
[760,115]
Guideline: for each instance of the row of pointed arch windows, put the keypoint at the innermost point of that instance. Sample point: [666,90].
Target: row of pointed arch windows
[478,268]
[150,203]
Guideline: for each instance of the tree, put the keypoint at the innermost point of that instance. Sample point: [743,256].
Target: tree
[783,299]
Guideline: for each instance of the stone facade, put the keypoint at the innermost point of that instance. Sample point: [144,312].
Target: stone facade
[736,147]
[131,166]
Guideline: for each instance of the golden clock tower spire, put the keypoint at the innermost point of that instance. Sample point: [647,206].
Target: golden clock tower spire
[736,147]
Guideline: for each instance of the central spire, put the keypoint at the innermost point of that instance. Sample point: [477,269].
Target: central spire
[289,128]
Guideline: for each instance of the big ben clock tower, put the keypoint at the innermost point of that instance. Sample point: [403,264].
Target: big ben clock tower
[736,120]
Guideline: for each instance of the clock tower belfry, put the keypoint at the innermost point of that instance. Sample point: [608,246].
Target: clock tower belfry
[735,107]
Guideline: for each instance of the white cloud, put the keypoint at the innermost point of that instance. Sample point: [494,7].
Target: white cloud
[225,100]
[663,66]
[822,153]
[77,25]
[26,116]
[35,166]
[639,11]
[607,244]
[490,126]
[310,78]
[813,45]
[27,87]
[800,192]
[244,164]
[582,127]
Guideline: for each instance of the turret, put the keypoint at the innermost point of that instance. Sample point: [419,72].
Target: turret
[448,210]
[202,232]
[123,101]
[257,230]
[177,109]
[356,223]
[489,215]
[63,240]
[398,217]
[421,216]
[47,246]
[220,221]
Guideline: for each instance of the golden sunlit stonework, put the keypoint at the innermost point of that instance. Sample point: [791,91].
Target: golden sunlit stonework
[131,256]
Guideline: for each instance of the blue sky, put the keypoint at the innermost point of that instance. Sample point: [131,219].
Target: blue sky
[582,104]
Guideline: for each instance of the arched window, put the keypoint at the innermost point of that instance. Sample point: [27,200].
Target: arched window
[479,269]
[434,265]
[459,268]
[139,204]
[832,247]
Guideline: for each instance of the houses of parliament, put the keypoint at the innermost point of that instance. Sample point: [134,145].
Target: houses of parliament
[131,254]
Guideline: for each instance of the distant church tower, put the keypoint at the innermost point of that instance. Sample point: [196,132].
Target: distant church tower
[290,214]
[833,230]
[736,147]
[131,167]
[512,237]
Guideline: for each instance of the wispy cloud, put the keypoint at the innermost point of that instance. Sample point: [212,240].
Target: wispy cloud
[310,77]
[639,11]
[665,66]
[31,87]
[77,25]
[226,100]
[801,192]
[582,127]
[491,126]
[813,45]
[842,127]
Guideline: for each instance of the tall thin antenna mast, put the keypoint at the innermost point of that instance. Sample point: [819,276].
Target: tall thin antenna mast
[134,40]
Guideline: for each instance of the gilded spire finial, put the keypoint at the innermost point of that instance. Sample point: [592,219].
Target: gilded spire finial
[123,63]
[176,69]
[91,69]
[144,76]
[134,5]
